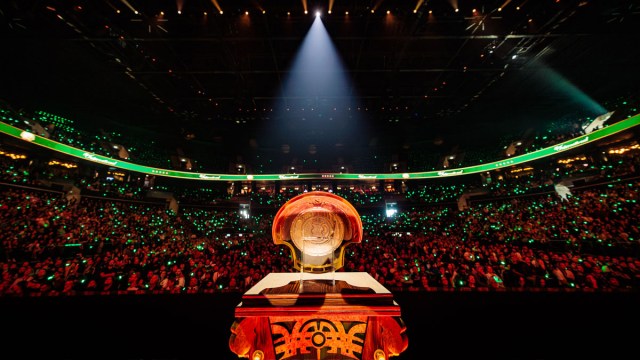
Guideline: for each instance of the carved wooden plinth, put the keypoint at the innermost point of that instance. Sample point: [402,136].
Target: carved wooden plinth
[349,316]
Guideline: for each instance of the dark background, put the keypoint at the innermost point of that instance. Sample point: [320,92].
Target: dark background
[440,325]
[419,82]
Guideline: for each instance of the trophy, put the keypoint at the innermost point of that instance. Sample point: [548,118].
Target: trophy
[318,311]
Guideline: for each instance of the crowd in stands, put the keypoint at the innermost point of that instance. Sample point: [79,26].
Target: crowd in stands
[516,233]
[17,168]
[111,142]
[533,139]
[54,245]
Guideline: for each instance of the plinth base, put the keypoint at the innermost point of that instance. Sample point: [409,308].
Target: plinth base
[318,316]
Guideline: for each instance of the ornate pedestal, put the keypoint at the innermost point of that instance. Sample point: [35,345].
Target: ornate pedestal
[318,316]
[317,313]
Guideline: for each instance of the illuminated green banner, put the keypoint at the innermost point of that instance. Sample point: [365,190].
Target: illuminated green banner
[539,154]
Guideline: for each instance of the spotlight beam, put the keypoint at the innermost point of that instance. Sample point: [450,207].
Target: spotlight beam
[215,3]
[318,86]
[126,3]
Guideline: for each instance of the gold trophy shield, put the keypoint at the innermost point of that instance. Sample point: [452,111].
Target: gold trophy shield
[317,227]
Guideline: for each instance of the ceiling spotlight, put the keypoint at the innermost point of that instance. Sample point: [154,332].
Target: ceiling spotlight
[306,12]
[179,12]
[329,12]
[457,9]
[317,13]
[221,12]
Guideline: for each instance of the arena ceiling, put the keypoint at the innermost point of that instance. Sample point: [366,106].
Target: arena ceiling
[432,74]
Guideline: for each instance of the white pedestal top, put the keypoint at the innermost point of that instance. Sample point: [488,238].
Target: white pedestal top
[359,279]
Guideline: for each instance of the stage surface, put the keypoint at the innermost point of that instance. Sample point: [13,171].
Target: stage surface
[440,325]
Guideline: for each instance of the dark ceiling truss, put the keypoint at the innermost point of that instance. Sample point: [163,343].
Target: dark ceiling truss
[245,95]
[414,72]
